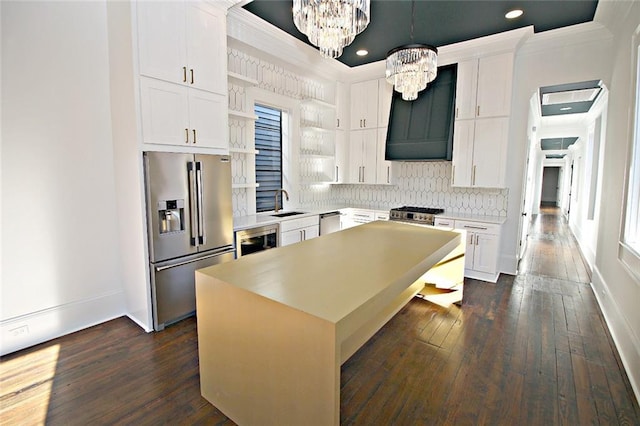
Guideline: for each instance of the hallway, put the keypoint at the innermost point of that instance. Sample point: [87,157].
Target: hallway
[552,250]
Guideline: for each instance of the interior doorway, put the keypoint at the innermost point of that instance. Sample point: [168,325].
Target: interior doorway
[550,192]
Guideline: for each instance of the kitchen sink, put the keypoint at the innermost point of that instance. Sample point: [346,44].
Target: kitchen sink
[287,214]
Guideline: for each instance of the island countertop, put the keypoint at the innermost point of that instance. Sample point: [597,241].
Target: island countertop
[274,327]
[330,277]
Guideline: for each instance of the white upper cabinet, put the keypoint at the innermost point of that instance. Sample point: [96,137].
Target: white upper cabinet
[462,161]
[362,156]
[207,132]
[165,112]
[207,47]
[342,107]
[383,175]
[466,87]
[183,43]
[364,105]
[182,116]
[484,87]
[162,40]
[483,105]
[342,157]
[495,77]
[385,93]
[479,153]
[489,152]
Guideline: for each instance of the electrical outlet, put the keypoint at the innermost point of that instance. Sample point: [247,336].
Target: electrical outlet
[19,331]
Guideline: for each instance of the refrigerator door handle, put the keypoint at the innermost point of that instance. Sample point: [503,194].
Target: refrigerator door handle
[225,250]
[192,203]
[201,230]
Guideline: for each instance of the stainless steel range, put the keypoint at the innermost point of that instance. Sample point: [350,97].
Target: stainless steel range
[421,215]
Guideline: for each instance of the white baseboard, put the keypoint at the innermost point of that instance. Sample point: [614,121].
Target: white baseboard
[508,264]
[38,327]
[140,323]
[625,340]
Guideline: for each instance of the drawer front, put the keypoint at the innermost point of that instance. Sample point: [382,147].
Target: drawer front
[362,216]
[445,223]
[288,225]
[382,215]
[478,227]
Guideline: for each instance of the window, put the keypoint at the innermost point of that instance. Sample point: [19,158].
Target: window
[630,248]
[268,134]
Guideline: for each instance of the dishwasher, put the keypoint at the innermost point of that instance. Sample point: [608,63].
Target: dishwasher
[329,222]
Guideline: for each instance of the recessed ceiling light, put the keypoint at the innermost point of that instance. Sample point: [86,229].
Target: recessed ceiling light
[565,108]
[362,52]
[512,14]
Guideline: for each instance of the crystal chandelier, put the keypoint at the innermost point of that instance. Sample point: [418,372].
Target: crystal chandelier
[331,24]
[411,67]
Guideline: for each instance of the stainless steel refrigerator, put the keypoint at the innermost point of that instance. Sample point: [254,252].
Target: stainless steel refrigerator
[190,226]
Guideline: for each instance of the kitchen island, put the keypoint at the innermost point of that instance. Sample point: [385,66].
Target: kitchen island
[275,327]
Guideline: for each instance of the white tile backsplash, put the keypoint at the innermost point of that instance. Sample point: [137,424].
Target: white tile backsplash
[424,184]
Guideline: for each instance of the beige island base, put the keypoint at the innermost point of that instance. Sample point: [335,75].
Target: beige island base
[275,327]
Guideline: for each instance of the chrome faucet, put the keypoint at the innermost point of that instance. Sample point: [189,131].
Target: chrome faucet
[286,194]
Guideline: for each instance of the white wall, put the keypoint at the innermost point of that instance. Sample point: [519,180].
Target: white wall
[617,292]
[60,266]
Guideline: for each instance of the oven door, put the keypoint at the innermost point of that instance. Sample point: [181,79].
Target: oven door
[256,239]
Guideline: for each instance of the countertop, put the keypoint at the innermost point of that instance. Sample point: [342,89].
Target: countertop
[263,219]
[330,277]
[267,218]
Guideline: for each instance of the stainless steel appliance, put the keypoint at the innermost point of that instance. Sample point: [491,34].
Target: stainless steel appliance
[421,215]
[257,239]
[329,222]
[190,226]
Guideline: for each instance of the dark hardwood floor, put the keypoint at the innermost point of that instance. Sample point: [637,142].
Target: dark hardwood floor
[530,350]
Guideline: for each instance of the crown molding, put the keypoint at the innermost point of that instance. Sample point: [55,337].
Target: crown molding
[252,31]
[585,33]
[494,44]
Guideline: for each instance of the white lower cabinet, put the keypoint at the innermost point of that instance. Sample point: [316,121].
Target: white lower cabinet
[295,230]
[482,247]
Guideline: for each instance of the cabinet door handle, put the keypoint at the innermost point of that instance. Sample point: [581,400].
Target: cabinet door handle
[194,136]
[186,133]
[336,173]
[478,110]
[388,174]
[337,122]
[470,239]
[184,74]
[456,112]
[475,227]
[477,239]
[365,122]
[473,178]
[191,75]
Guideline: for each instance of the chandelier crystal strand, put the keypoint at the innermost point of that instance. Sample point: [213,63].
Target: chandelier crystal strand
[410,68]
[331,24]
